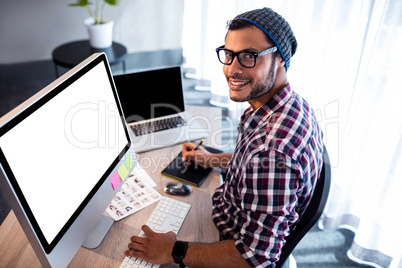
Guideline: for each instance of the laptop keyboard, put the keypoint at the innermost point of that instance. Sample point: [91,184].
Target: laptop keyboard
[158,125]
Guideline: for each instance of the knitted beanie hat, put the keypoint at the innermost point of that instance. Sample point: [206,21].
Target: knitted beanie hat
[276,27]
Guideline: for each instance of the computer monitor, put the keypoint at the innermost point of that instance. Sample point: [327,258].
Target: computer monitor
[63,155]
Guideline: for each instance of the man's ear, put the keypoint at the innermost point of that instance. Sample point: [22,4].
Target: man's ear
[281,62]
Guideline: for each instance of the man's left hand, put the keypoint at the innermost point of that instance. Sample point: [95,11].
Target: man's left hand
[154,248]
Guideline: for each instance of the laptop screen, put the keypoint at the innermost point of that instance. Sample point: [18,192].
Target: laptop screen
[150,94]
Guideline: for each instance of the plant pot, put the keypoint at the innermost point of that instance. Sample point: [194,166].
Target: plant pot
[100,35]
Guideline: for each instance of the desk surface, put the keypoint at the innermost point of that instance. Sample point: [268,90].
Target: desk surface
[16,251]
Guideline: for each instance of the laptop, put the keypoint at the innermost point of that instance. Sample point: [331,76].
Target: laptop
[153,106]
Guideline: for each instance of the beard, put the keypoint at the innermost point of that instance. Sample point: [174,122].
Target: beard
[258,89]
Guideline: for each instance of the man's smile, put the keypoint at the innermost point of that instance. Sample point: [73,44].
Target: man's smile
[238,84]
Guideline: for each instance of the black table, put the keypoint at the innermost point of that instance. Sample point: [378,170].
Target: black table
[70,54]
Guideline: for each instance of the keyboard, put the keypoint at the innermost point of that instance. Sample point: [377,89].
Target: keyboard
[154,126]
[167,216]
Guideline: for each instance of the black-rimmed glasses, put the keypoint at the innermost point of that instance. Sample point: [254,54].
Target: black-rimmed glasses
[247,59]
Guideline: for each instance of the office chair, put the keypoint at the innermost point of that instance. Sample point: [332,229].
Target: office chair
[313,211]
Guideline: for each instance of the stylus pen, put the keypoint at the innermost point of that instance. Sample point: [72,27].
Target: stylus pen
[195,148]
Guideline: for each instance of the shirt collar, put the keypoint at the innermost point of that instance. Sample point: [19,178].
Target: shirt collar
[277,101]
[251,118]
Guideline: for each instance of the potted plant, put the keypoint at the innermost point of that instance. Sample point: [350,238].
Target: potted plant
[100,30]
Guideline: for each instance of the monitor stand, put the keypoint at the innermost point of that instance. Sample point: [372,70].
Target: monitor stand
[99,232]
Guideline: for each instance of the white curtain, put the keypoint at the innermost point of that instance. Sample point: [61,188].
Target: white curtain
[348,67]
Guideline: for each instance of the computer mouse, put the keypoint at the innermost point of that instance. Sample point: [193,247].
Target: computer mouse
[178,188]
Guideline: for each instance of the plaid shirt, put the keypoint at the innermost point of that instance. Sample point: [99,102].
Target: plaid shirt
[270,177]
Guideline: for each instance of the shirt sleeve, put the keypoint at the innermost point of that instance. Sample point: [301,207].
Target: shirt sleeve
[269,198]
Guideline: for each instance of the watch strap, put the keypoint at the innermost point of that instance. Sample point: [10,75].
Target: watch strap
[179,252]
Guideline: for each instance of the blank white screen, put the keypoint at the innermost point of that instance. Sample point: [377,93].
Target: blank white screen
[58,153]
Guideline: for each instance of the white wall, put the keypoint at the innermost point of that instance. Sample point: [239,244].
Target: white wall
[31,29]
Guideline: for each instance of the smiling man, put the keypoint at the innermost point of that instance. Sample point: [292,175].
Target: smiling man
[247,81]
[278,156]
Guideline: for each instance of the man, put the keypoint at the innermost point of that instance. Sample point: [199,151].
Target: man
[276,162]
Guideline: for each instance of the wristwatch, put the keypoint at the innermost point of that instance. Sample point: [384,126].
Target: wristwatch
[179,252]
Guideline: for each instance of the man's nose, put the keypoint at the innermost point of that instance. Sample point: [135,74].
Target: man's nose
[235,67]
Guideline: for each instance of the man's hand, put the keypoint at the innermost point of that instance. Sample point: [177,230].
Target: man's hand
[155,248]
[200,156]
[204,158]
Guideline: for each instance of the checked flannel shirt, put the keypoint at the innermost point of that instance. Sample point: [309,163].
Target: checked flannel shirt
[270,177]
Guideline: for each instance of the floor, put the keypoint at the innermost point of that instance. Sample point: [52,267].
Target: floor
[319,248]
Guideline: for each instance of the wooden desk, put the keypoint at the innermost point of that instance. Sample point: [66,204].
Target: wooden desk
[16,251]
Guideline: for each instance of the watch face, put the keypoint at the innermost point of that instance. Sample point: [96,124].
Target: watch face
[179,249]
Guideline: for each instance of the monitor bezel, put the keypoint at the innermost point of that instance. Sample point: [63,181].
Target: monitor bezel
[31,108]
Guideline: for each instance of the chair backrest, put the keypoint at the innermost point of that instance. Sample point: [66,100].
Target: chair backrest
[312,213]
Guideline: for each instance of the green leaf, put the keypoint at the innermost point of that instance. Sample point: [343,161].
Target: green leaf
[80,3]
[112,2]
